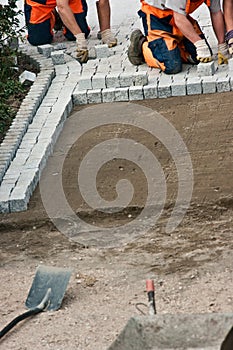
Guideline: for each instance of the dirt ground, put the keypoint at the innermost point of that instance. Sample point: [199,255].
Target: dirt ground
[191,267]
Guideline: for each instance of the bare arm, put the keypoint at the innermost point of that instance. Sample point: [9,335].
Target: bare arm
[67,16]
[186,27]
[218,26]
[228,11]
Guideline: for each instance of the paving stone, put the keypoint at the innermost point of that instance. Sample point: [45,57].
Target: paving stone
[178,86]
[98,81]
[45,50]
[223,84]
[230,64]
[126,79]
[58,57]
[94,96]
[80,97]
[102,51]
[205,69]
[194,86]
[209,85]
[113,80]
[140,78]
[122,94]
[135,93]
[150,91]
[85,82]
[164,86]
[108,95]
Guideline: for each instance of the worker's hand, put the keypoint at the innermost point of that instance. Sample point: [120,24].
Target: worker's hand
[82,51]
[203,52]
[108,38]
[223,53]
[230,46]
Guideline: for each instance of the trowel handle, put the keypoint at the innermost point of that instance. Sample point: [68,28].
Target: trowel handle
[150,288]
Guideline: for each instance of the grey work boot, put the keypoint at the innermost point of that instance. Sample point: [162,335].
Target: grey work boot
[135,55]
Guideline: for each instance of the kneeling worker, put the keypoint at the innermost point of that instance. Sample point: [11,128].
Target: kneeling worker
[172,36]
[40,21]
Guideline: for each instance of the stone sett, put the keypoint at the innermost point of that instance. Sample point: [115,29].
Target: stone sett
[150,91]
[102,51]
[122,94]
[126,79]
[135,93]
[94,96]
[223,84]
[194,86]
[98,81]
[205,69]
[45,50]
[108,95]
[112,80]
[209,85]
[80,97]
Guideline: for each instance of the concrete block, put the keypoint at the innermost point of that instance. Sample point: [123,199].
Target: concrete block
[194,86]
[85,82]
[122,94]
[170,332]
[46,50]
[126,79]
[102,51]
[112,80]
[140,78]
[58,57]
[108,95]
[92,53]
[26,77]
[209,85]
[98,81]
[94,96]
[136,93]
[223,84]
[79,97]
[205,69]
[178,86]
[150,91]
[164,86]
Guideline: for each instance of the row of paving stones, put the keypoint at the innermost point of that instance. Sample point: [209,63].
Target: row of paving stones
[63,83]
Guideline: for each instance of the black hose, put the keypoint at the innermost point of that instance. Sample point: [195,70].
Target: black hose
[39,308]
[18,319]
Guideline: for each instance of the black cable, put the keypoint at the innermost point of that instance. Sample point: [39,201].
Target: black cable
[17,319]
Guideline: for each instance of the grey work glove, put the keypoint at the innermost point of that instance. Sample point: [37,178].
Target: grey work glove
[108,38]
[82,51]
[203,51]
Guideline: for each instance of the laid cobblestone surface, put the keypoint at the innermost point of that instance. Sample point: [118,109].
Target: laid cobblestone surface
[63,83]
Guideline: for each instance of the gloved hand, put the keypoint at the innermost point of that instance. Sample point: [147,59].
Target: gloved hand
[82,51]
[108,38]
[223,54]
[230,46]
[203,52]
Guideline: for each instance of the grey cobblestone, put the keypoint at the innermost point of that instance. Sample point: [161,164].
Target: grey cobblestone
[108,95]
[135,93]
[98,81]
[122,94]
[150,91]
[94,96]
[194,86]
[209,85]
[223,84]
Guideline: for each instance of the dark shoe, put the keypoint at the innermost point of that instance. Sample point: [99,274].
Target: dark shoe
[135,55]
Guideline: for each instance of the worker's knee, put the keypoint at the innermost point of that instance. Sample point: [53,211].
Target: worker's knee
[170,59]
[40,33]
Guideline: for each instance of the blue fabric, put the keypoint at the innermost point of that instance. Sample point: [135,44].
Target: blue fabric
[39,34]
[170,58]
[82,22]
